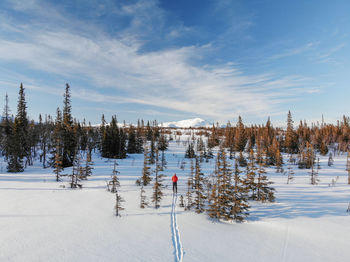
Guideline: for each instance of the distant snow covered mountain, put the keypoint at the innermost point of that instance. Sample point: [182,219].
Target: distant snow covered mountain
[195,122]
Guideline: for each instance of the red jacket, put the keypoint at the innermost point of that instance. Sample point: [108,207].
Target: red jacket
[174,178]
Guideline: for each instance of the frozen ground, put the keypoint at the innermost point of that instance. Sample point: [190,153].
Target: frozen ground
[42,221]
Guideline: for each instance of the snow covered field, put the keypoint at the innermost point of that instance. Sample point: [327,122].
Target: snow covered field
[40,220]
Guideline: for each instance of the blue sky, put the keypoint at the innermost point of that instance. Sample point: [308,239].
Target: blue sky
[172,60]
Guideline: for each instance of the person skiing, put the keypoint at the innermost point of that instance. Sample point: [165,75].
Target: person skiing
[174,179]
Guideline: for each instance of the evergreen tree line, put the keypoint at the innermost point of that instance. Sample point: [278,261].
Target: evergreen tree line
[57,141]
[302,143]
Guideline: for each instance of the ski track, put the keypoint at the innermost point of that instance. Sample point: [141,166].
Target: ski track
[286,241]
[178,250]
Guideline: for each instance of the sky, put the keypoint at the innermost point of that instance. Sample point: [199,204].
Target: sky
[173,60]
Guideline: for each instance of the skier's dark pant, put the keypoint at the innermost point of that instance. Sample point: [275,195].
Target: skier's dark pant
[175,187]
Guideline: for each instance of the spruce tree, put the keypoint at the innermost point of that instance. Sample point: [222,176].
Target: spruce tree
[229,139]
[44,139]
[190,153]
[310,155]
[228,200]
[113,141]
[158,183]
[162,145]
[7,127]
[56,140]
[290,173]
[146,172]
[240,138]
[152,152]
[15,158]
[279,161]
[226,190]
[214,194]
[163,142]
[240,206]
[22,121]
[143,201]
[190,186]
[102,134]
[302,163]
[264,191]
[88,165]
[323,148]
[313,175]
[114,183]
[250,181]
[76,172]
[213,139]
[132,147]
[201,150]
[68,135]
[122,146]
[58,163]
[118,204]
[149,132]
[139,139]
[86,171]
[241,160]
[19,143]
[199,197]
[290,142]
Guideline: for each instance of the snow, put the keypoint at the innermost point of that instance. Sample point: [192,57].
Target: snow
[40,220]
[195,122]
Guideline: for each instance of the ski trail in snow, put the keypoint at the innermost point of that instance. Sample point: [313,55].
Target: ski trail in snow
[178,251]
[286,240]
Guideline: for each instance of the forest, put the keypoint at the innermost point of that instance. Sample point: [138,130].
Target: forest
[241,154]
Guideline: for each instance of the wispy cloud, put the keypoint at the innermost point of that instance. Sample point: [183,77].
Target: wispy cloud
[294,51]
[326,56]
[166,78]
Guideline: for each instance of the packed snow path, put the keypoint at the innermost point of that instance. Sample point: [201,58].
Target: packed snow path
[285,246]
[178,251]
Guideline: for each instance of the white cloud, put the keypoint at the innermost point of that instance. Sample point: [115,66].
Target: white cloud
[165,78]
